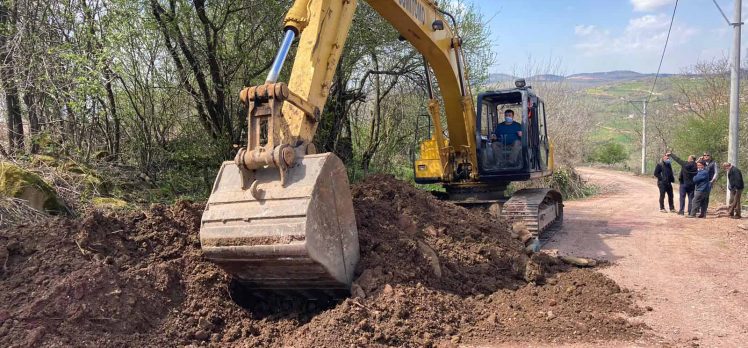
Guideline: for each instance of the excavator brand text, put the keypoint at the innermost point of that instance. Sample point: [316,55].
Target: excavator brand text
[415,8]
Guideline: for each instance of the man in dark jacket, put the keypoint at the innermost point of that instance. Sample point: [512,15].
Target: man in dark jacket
[703,186]
[735,185]
[665,179]
[687,172]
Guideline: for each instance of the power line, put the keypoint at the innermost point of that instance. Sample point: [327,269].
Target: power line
[672,19]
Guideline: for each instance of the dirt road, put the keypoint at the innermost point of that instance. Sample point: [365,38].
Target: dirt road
[692,273]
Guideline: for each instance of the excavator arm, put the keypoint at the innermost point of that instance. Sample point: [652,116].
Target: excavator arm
[280,216]
[323,26]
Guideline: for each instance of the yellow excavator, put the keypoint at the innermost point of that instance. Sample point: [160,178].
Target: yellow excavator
[280,215]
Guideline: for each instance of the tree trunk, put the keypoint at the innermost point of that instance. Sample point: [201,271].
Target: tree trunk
[117,136]
[13,113]
[33,109]
[7,74]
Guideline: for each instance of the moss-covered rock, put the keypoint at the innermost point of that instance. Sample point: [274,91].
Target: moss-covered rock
[96,185]
[45,160]
[72,167]
[20,183]
[111,203]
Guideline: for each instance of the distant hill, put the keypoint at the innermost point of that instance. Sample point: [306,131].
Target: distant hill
[546,78]
[500,78]
[582,79]
[618,75]
[505,78]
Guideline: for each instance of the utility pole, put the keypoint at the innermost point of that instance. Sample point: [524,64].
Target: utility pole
[644,137]
[643,111]
[732,148]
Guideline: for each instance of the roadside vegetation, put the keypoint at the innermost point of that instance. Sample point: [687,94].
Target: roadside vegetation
[127,115]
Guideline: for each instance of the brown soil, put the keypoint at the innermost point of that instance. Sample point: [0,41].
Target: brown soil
[430,273]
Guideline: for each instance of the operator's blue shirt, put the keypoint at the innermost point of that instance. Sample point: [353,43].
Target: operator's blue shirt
[507,133]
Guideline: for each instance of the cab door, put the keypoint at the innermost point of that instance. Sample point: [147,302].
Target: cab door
[545,145]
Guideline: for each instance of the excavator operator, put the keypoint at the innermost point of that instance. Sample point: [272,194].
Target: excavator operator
[509,136]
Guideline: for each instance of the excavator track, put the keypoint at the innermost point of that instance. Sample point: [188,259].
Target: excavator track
[542,211]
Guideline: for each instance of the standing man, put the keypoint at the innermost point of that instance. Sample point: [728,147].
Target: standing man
[735,185]
[713,169]
[686,188]
[664,174]
[703,186]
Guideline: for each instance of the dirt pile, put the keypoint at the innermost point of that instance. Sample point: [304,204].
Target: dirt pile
[430,273]
[408,237]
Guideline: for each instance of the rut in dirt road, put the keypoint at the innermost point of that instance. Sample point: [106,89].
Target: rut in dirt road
[691,272]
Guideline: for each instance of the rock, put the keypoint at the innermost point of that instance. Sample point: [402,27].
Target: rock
[201,335]
[431,231]
[552,302]
[34,337]
[357,291]
[405,223]
[521,232]
[433,258]
[649,308]
[205,324]
[388,289]
[578,261]
[534,271]
[20,183]
[550,315]
[370,279]
[743,227]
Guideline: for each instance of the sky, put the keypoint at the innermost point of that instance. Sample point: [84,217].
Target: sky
[576,36]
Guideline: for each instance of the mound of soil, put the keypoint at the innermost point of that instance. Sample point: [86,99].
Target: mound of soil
[431,273]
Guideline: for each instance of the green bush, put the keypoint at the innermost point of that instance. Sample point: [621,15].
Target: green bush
[609,153]
[697,135]
[564,179]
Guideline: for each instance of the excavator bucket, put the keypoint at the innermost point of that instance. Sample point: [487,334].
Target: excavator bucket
[299,237]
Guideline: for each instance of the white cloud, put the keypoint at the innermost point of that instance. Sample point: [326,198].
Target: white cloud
[649,5]
[584,30]
[642,34]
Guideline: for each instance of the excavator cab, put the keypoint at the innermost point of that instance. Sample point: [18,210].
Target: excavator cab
[502,155]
